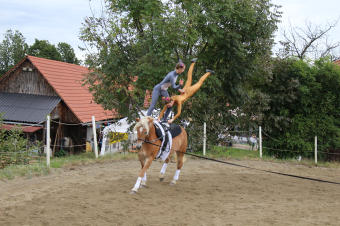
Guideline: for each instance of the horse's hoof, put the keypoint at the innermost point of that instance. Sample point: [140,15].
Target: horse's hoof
[143,186]
[161,179]
[173,182]
[132,192]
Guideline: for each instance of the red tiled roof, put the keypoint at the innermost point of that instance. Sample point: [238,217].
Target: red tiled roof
[25,129]
[66,79]
[337,62]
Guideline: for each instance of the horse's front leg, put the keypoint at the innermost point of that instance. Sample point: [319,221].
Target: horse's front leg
[141,158]
[165,165]
[142,173]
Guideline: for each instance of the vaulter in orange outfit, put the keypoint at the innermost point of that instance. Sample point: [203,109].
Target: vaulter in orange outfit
[188,89]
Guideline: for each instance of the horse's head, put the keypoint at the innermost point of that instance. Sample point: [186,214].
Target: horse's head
[142,128]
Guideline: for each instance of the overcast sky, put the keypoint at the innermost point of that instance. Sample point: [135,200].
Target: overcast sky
[52,20]
[60,20]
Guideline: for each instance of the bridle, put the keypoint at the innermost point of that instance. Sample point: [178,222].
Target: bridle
[151,141]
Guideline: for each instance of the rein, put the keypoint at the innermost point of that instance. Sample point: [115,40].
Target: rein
[150,141]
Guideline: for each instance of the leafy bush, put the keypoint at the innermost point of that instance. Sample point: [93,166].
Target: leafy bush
[304,104]
[60,153]
[14,147]
[12,140]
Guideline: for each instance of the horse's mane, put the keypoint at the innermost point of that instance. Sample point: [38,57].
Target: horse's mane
[143,122]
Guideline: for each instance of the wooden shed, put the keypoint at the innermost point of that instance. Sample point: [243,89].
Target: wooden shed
[36,87]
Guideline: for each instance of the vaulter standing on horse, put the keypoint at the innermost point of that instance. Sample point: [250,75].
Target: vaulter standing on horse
[162,87]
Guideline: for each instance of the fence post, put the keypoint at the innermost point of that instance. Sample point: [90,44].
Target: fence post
[260,140]
[48,141]
[316,149]
[94,136]
[204,137]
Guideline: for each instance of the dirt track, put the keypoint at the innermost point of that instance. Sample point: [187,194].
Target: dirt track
[208,193]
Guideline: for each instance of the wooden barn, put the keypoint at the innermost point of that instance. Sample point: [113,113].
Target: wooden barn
[36,87]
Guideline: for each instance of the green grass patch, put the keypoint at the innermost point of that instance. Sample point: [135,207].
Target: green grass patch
[40,168]
[231,153]
[222,152]
[89,158]
[27,171]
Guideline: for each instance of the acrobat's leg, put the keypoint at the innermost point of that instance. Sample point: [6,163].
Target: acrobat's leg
[160,117]
[155,95]
[191,69]
[167,112]
[198,84]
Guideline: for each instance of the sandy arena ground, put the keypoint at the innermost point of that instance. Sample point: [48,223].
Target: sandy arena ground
[208,193]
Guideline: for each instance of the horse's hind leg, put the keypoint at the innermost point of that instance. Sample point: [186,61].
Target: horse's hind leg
[180,156]
[165,165]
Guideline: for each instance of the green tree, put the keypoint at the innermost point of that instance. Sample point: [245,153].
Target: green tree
[67,53]
[12,50]
[304,102]
[42,48]
[147,37]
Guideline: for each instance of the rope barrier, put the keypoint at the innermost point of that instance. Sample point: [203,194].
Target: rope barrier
[267,171]
[302,152]
[83,124]
[67,124]
[248,167]
[311,151]
[275,149]
[77,145]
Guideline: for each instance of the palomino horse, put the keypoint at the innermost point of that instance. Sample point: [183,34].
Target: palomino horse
[148,145]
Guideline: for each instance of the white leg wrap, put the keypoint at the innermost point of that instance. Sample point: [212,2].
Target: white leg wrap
[165,165]
[144,178]
[177,174]
[135,188]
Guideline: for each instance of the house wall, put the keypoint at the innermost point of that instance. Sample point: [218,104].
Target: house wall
[28,82]
[65,114]
[32,82]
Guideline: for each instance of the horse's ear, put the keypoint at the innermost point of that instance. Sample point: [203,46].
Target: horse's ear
[137,119]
